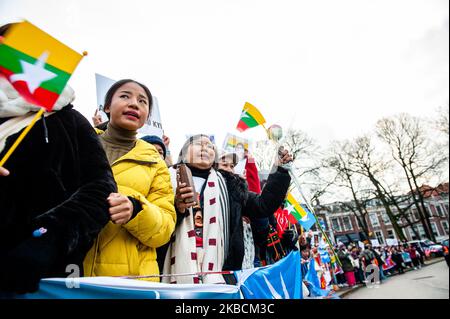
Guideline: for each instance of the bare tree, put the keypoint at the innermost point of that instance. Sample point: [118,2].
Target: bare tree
[363,156]
[264,154]
[442,121]
[412,150]
[339,161]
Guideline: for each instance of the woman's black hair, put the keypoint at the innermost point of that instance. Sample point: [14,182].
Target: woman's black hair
[5,28]
[117,85]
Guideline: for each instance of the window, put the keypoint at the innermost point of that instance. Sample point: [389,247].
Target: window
[390,234]
[440,212]
[359,222]
[416,214]
[374,220]
[421,231]
[412,234]
[385,218]
[427,209]
[433,209]
[347,223]
[380,238]
[336,225]
[446,208]
[434,229]
[444,224]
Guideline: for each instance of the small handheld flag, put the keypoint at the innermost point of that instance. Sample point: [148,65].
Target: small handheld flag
[37,65]
[250,117]
[298,213]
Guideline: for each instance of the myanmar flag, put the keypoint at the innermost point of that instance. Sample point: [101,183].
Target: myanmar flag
[293,207]
[250,117]
[299,213]
[36,64]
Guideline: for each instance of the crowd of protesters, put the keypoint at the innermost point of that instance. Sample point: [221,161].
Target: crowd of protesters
[367,264]
[114,204]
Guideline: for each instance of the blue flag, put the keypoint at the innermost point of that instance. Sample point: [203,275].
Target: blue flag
[324,255]
[282,280]
[314,283]
[118,288]
[308,220]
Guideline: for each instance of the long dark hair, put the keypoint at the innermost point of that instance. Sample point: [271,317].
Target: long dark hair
[117,85]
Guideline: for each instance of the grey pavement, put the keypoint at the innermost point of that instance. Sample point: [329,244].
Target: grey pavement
[430,282]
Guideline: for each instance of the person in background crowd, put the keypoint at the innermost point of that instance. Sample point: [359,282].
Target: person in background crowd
[168,159]
[446,253]
[414,257]
[406,256]
[158,143]
[52,198]
[142,212]
[161,145]
[367,258]
[397,258]
[97,119]
[420,254]
[359,276]
[347,266]
[379,261]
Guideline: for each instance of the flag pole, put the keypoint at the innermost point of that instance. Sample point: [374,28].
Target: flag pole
[21,137]
[267,131]
[297,184]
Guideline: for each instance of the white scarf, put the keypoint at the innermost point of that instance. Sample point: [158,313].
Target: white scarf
[12,104]
[182,253]
[22,112]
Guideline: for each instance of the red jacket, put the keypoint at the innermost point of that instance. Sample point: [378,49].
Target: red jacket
[252,176]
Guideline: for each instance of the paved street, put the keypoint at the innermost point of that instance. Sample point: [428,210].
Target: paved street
[430,282]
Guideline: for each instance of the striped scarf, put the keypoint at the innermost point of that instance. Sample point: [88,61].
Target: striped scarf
[183,256]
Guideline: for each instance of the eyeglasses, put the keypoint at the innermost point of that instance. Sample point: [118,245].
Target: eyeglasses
[203,145]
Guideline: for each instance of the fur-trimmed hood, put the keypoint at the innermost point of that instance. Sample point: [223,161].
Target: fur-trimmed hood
[12,104]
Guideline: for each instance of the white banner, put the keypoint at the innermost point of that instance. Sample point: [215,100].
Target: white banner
[153,125]
[102,84]
[375,243]
[391,242]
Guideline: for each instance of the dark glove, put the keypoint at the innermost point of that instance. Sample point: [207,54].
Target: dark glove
[22,268]
[289,239]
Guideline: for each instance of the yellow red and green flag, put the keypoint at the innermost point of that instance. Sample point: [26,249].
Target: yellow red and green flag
[250,117]
[36,64]
[298,213]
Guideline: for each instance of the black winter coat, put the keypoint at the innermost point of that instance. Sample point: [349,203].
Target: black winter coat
[61,185]
[252,205]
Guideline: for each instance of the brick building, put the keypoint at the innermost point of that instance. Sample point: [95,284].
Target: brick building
[343,226]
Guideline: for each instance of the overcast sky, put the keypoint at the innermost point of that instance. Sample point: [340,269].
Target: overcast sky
[330,68]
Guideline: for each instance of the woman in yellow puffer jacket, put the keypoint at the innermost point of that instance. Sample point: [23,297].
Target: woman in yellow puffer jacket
[142,212]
